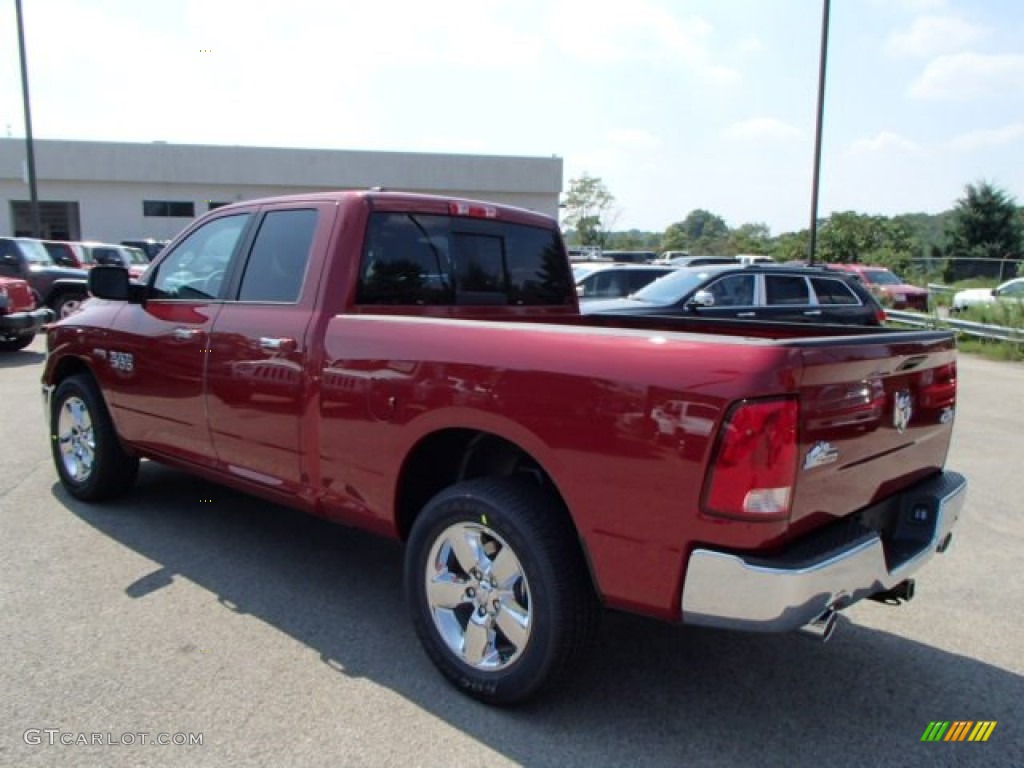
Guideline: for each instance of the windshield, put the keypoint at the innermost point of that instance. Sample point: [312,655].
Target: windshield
[673,287]
[35,253]
[578,273]
[881,277]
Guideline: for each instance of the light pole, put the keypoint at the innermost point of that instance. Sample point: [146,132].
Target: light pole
[817,132]
[37,227]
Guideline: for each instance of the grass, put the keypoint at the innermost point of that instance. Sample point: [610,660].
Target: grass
[1005,314]
[1004,351]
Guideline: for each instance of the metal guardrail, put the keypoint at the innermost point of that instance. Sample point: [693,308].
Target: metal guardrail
[940,288]
[967,327]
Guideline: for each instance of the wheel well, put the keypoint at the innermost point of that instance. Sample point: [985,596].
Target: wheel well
[453,455]
[69,366]
[59,291]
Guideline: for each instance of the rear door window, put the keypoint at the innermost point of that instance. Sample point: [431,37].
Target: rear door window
[786,290]
[279,256]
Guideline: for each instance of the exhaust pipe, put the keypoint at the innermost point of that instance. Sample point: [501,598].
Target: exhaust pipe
[823,627]
[902,592]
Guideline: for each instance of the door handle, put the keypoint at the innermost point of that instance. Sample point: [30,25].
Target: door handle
[813,312]
[277,345]
[745,314]
[185,334]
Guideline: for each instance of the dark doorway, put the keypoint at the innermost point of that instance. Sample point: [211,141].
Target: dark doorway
[60,221]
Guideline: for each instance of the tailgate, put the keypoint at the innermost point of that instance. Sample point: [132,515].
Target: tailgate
[19,296]
[876,416]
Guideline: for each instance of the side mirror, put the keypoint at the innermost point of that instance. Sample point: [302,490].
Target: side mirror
[109,283]
[995,291]
[702,299]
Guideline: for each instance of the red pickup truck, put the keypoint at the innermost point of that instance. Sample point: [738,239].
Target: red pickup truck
[20,319]
[418,367]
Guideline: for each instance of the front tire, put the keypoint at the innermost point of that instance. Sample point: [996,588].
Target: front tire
[14,343]
[498,588]
[90,460]
[68,303]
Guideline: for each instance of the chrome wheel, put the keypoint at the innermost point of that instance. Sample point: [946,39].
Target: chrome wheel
[76,439]
[478,596]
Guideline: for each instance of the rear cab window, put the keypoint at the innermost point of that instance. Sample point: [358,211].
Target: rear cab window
[419,259]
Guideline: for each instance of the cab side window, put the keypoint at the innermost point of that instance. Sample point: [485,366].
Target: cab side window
[195,270]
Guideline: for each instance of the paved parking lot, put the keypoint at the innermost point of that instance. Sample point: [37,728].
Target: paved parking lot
[281,640]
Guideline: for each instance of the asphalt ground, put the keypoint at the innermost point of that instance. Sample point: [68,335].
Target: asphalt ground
[281,640]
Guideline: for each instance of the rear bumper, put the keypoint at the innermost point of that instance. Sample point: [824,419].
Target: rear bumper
[25,322]
[830,569]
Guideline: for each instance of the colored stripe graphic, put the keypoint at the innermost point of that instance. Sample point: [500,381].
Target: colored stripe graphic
[958,730]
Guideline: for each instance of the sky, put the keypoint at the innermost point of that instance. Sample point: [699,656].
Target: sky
[673,105]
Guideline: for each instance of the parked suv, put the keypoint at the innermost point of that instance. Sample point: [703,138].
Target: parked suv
[61,289]
[754,292]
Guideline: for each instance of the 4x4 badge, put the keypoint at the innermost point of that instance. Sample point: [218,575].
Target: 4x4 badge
[902,410]
[821,454]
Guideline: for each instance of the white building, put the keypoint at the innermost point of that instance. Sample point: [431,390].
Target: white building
[114,191]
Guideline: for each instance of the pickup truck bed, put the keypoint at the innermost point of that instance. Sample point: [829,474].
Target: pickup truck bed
[538,464]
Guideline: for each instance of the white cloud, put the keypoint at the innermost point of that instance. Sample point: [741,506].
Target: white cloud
[963,76]
[763,128]
[995,137]
[933,35]
[886,141]
[915,6]
[633,138]
[604,32]
[749,46]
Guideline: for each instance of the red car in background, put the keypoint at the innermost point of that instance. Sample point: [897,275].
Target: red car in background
[19,318]
[888,287]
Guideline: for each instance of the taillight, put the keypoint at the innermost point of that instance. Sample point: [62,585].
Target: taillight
[473,210]
[880,316]
[938,387]
[753,468]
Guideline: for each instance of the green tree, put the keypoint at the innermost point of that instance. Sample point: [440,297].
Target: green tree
[790,246]
[985,224]
[588,210]
[753,237]
[700,232]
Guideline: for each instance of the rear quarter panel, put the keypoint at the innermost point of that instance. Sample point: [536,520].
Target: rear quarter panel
[581,403]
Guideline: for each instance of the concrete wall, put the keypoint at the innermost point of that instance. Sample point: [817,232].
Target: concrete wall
[109,181]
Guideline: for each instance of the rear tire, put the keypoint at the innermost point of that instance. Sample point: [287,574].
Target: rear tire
[498,588]
[90,460]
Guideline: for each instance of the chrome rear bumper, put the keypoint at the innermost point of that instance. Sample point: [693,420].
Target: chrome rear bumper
[830,569]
